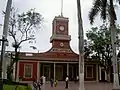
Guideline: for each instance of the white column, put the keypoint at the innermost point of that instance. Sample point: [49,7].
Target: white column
[99,72]
[68,69]
[105,75]
[54,71]
[4,67]
[17,74]
[38,70]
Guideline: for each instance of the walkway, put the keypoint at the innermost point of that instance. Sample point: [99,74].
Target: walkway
[73,86]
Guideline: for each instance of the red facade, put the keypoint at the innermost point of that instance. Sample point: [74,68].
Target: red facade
[59,57]
[21,71]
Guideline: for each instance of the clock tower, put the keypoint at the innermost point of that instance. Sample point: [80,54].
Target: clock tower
[60,37]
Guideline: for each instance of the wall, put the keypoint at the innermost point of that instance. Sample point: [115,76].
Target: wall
[21,71]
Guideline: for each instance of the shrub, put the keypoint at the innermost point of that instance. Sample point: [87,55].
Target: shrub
[20,87]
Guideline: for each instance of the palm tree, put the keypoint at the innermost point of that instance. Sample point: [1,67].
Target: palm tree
[81,47]
[107,12]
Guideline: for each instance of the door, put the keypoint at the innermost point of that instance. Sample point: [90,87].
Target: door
[71,72]
[46,72]
[102,75]
[59,72]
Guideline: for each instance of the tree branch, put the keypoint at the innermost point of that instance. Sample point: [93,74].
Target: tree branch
[25,40]
[27,29]
[11,33]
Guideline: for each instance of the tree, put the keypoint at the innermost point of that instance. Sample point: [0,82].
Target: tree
[107,12]
[81,46]
[101,46]
[87,49]
[22,27]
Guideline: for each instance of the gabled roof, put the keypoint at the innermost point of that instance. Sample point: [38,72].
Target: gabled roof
[54,54]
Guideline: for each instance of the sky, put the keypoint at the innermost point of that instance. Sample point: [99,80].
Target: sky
[49,9]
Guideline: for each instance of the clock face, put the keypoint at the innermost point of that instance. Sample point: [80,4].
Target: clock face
[62,28]
[61,44]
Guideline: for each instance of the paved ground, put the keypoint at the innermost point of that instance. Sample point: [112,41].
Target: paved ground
[73,86]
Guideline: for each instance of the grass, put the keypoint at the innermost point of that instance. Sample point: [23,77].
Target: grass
[12,87]
[9,87]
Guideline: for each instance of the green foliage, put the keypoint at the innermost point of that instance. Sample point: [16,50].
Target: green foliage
[101,44]
[104,8]
[29,88]
[17,87]
[9,87]
[22,27]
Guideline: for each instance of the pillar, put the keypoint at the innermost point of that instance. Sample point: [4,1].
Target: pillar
[54,71]
[105,75]
[38,70]
[68,69]
[17,72]
[99,72]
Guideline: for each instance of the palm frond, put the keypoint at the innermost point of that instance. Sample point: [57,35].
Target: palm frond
[94,10]
[103,9]
[118,1]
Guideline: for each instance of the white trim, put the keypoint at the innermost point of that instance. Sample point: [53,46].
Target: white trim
[28,61]
[86,71]
[31,70]
[28,54]
[47,61]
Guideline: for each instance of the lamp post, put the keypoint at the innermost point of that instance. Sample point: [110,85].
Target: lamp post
[81,47]
[3,40]
[5,31]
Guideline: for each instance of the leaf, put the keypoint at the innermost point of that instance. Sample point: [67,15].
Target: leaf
[101,44]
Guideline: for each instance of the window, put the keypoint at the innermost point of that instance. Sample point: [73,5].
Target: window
[28,68]
[89,71]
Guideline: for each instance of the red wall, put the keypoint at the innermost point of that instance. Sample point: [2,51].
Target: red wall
[21,71]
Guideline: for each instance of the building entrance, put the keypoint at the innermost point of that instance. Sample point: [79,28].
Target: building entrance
[46,72]
[59,72]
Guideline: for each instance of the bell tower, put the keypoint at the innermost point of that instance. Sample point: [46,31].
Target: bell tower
[60,37]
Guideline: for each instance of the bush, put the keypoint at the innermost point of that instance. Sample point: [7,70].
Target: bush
[20,87]
[11,85]
[9,82]
[17,87]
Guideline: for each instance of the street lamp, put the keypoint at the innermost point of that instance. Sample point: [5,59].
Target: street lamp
[3,40]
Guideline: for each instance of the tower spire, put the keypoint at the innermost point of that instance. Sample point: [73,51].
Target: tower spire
[61,7]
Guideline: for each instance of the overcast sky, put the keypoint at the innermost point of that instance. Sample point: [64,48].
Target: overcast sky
[49,9]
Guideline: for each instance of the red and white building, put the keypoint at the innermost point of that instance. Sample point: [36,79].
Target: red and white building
[59,61]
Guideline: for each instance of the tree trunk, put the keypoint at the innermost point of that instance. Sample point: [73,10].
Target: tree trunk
[81,47]
[16,57]
[113,41]
[108,75]
[10,68]
[114,57]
